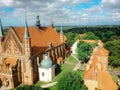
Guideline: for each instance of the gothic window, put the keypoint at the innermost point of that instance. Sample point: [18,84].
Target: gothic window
[43,74]
[8,49]
[24,66]
[16,49]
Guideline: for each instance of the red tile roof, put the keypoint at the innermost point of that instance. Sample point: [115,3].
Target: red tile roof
[101,51]
[40,38]
[105,82]
[91,73]
[90,41]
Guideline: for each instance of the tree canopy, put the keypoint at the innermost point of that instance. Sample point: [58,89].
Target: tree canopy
[71,81]
[114,48]
[28,87]
[71,38]
[84,50]
[90,36]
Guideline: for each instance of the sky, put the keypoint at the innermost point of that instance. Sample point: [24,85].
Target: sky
[65,12]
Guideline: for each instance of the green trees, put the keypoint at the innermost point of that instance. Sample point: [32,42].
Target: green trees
[114,48]
[90,36]
[71,38]
[71,81]
[29,87]
[84,50]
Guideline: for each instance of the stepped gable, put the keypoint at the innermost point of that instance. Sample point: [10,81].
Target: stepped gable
[40,37]
[93,70]
[95,73]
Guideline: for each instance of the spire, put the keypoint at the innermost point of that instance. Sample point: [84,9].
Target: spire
[37,21]
[52,24]
[61,31]
[61,35]
[26,34]
[1,29]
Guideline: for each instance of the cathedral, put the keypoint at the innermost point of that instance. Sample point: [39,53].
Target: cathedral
[23,48]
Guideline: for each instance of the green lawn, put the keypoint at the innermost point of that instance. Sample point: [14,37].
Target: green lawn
[64,68]
[39,83]
[51,88]
[72,59]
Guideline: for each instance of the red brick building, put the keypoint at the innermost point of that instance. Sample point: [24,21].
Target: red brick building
[96,75]
[22,49]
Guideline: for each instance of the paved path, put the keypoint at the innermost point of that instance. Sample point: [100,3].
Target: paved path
[68,62]
[48,85]
[4,88]
[75,57]
[79,65]
[76,67]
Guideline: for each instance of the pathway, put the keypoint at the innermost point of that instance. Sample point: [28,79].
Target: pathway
[49,84]
[79,65]
[76,67]
[75,57]
[68,62]
[4,88]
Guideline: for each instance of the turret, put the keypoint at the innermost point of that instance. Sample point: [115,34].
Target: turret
[38,22]
[27,41]
[61,35]
[1,36]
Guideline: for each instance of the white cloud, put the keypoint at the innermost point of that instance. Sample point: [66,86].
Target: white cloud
[111,3]
[6,3]
[106,12]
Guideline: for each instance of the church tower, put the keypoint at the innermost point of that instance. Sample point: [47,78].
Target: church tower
[38,22]
[27,64]
[1,36]
[27,41]
[61,35]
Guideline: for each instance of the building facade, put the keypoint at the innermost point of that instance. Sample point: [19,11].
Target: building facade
[96,75]
[22,49]
[46,69]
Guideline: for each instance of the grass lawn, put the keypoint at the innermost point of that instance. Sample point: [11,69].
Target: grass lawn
[72,59]
[39,83]
[115,77]
[64,68]
[51,88]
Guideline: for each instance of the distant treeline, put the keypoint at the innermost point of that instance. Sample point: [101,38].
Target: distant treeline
[94,29]
[103,32]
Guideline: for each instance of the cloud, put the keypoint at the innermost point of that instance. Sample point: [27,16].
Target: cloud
[96,14]
[111,3]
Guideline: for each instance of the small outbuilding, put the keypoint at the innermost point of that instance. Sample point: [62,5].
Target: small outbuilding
[46,69]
